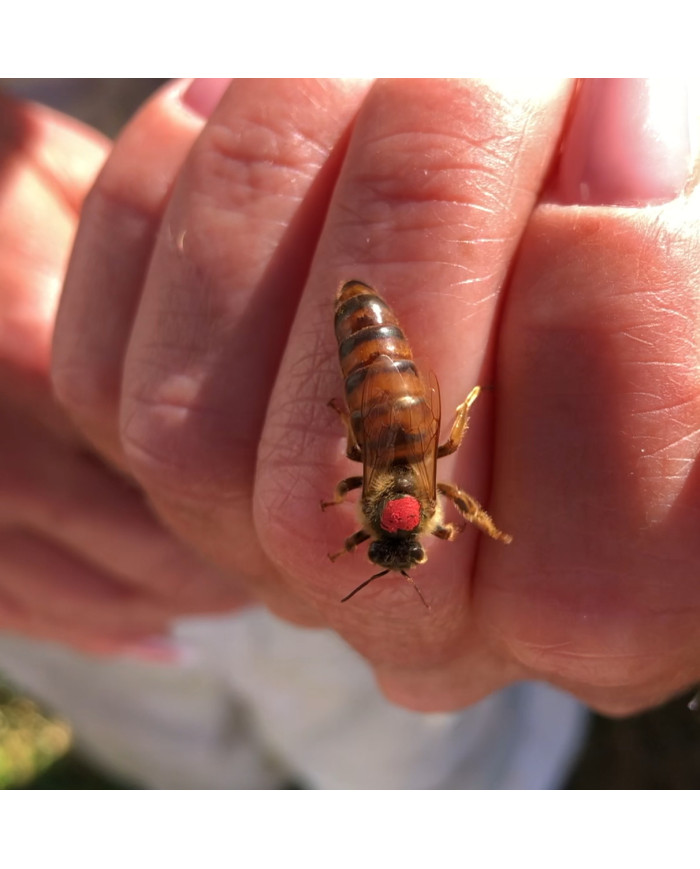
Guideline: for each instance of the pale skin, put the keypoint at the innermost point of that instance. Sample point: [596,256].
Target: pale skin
[194,350]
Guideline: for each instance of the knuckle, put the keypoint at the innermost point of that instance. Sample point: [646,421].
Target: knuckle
[87,392]
[616,649]
[121,194]
[253,159]
[616,685]
[625,665]
[154,438]
[181,451]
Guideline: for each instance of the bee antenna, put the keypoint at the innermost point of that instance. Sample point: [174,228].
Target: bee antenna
[363,584]
[410,579]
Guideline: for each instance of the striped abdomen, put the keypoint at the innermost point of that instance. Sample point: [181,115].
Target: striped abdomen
[382,387]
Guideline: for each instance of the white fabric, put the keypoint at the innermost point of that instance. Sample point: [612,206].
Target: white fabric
[256,703]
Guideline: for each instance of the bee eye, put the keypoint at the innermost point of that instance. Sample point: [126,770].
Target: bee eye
[416,551]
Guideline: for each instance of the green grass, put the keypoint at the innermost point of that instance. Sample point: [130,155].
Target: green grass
[36,750]
[31,740]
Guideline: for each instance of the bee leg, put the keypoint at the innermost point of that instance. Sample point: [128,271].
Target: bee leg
[341,491]
[472,511]
[351,543]
[448,531]
[459,426]
[352,451]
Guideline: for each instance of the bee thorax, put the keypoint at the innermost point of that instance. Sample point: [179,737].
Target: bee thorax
[401,514]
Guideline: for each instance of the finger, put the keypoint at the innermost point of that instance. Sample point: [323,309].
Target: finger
[598,439]
[60,587]
[46,164]
[437,186]
[69,497]
[224,283]
[16,619]
[470,676]
[66,153]
[120,221]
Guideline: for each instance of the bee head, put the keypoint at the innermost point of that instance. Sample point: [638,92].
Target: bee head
[396,553]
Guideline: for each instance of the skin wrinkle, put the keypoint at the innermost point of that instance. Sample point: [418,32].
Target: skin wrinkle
[625,678]
[263,144]
[652,606]
[245,180]
[483,300]
[280,504]
[417,227]
[194,486]
[80,580]
[362,265]
[222,213]
[257,188]
[606,669]
[379,195]
[317,367]
[463,141]
[290,450]
[663,364]
[325,107]
[437,152]
[110,197]
[416,198]
[207,241]
[481,241]
[610,580]
[153,463]
[427,166]
[165,405]
[660,451]
[639,400]
[642,394]
[302,413]
[384,256]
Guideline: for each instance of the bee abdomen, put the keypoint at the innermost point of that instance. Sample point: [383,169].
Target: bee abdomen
[366,328]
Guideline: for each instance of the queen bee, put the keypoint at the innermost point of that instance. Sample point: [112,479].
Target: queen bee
[393,427]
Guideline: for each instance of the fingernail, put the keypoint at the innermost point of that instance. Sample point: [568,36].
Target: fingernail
[203,94]
[159,650]
[628,143]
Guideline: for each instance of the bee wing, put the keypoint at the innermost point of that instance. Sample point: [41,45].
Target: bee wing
[427,468]
[400,421]
[379,435]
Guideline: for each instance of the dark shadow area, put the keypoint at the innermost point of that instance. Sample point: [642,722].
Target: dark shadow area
[15,131]
[657,750]
[72,772]
[104,103]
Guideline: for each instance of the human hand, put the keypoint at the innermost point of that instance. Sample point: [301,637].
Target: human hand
[206,375]
[82,558]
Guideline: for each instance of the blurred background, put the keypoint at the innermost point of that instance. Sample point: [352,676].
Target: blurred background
[658,750]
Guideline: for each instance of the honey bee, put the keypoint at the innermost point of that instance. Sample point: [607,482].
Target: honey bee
[393,428]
